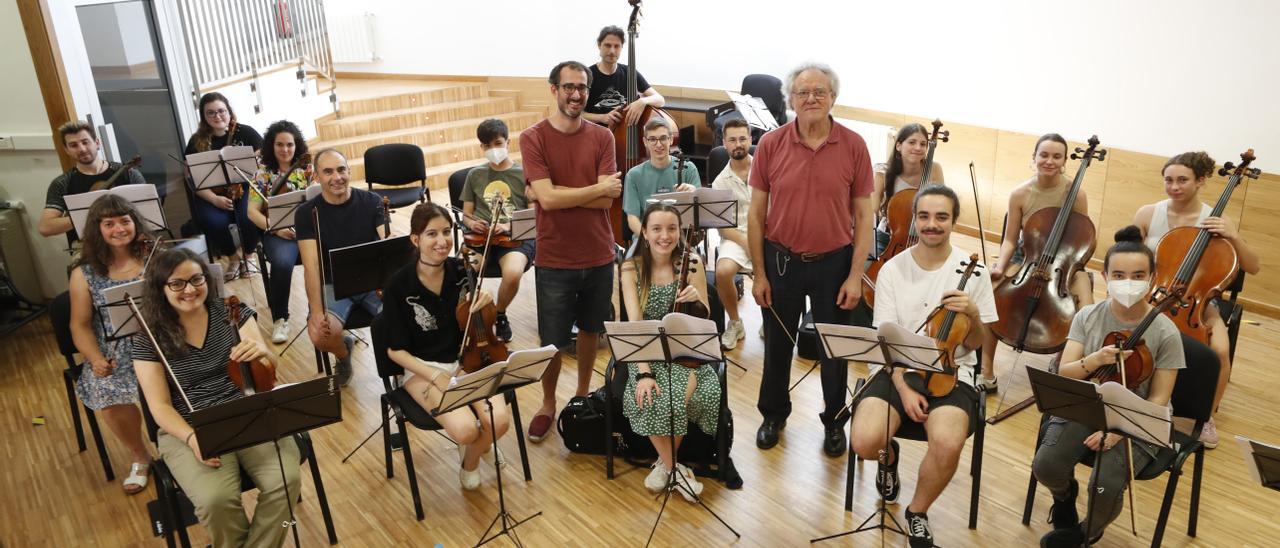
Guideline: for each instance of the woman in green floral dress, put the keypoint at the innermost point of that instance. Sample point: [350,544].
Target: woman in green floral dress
[648,290]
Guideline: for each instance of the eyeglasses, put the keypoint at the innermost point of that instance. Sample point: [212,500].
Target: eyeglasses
[215,113]
[655,139]
[178,285]
[805,94]
[573,88]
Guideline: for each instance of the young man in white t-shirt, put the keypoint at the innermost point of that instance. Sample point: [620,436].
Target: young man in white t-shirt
[911,286]
[732,257]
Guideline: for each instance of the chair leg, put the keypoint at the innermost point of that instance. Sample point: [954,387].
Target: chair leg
[102,447]
[524,452]
[167,517]
[324,500]
[386,437]
[1158,534]
[1194,512]
[74,403]
[975,470]
[408,466]
[851,464]
[322,363]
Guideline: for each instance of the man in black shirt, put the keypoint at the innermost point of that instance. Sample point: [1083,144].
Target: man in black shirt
[346,217]
[81,143]
[607,100]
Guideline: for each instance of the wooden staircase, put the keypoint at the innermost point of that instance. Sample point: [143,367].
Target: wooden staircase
[441,121]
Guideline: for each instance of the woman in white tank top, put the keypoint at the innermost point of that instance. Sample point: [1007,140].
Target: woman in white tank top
[1184,176]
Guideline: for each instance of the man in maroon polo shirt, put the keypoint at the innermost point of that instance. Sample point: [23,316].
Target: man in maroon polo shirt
[571,167]
[810,226]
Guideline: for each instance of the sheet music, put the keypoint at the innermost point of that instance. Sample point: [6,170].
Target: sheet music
[142,196]
[719,207]
[691,337]
[635,341]
[281,209]
[206,167]
[908,349]
[469,387]
[850,342]
[753,110]
[524,225]
[526,365]
[1133,415]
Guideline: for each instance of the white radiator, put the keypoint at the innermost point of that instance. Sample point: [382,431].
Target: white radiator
[352,38]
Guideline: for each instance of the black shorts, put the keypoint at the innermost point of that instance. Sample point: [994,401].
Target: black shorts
[568,296]
[882,388]
[497,252]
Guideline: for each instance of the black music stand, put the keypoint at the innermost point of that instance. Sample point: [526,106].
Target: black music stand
[269,417]
[1262,460]
[1081,402]
[369,266]
[482,385]
[649,341]
[895,347]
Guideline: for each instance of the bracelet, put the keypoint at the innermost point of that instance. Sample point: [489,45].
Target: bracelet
[642,376]
[188,440]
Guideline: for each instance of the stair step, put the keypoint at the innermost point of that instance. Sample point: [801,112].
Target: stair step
[443,153]
[392,120]
[459,92]
[431,134]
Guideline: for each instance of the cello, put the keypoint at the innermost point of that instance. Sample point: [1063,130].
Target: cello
[1207,264]
[950,329]
[628,139]
[902,226]
[1035,304]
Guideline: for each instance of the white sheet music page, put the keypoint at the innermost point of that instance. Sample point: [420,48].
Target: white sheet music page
[1133,415]
[690,337]
[527,365]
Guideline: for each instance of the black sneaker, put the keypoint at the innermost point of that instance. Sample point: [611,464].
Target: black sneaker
[1063,512]
[502,327]
[887,476]
[343,372]
[918,531]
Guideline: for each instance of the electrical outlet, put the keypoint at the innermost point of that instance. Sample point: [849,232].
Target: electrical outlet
[6,143]
[11,204]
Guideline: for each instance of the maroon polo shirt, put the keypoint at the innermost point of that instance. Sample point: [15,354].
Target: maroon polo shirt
[575,237]
[811,191]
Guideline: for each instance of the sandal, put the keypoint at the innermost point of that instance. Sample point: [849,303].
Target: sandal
[137,477]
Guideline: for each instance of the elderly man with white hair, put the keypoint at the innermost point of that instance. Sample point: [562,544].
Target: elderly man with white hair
[809,230]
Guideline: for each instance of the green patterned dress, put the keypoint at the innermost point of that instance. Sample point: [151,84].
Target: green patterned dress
[703,407]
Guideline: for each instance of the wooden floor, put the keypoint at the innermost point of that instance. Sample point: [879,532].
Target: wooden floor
[54,496]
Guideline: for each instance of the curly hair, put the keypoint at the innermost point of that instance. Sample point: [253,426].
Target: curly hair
[1199,162]
[269,142]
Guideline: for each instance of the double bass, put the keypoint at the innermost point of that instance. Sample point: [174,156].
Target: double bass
[949,329]
[902,226]
[628,139]
[1035,304]
[1207,264]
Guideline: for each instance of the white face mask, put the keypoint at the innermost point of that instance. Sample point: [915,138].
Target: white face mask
[1128,292]
[496,155]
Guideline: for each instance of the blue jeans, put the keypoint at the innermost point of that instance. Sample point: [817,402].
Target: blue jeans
[282,254]
[214,221]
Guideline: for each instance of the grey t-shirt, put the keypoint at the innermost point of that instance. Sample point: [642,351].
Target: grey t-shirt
[1093,322]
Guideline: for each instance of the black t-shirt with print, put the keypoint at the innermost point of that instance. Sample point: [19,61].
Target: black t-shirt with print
[609,91]
[420,322]
[244,136]
[352,222]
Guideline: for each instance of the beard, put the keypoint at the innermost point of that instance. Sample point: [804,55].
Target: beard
[738,153]
[564,109]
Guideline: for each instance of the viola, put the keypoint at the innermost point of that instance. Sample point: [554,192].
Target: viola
[628,139]
[902,226]
[1139,366]
[692,308]
[949,329]
[1207,264]
[481,346]
[1035,304]
[133,163]
[250,377]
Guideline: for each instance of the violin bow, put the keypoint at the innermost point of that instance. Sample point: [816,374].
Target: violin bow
[133,307]
[1128,442]
[977,208]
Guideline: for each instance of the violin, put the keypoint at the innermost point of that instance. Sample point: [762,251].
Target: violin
[282,180]
[1207,264]
[629,139]
[481,346]
[902,226]
[1140,365]
[491,237]
[250,377]
[692,308]
[133,163]
[1035,304]
[950,329]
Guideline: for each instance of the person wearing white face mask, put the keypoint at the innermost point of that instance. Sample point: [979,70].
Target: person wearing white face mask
[1128,266]
[504,178]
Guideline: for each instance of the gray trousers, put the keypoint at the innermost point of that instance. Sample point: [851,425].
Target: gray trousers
[1055,463]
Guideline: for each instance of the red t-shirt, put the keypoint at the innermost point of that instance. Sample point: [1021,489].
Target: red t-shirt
[811,191]
[576,237]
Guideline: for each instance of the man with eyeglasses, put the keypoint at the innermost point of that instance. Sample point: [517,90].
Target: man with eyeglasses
[809,229]
[607,103]
[570,167]
[731,256]
[339,217]
[656,175]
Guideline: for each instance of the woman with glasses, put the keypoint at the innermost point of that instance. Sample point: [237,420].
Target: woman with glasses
[192,329]
[215,209]
[115,250]
[657,175]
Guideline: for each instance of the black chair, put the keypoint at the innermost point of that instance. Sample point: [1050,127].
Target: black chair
[717,160]
[396,400]
[769,89]
[1232,312]
[172,500]
[1190,400]
[396,165]
[60,317]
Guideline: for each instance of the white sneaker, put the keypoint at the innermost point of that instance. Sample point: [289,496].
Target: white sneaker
[281,332]
[691,481]
[657,478]
[470,479]
[987,385]
[733,333]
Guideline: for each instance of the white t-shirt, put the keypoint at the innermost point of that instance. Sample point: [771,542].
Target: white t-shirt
[907,293]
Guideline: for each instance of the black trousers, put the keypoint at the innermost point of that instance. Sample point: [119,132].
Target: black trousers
[791,281]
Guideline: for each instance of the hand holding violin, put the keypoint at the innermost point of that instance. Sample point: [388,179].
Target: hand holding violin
[248,351]
[478,226]
[1103,357]
[958,301]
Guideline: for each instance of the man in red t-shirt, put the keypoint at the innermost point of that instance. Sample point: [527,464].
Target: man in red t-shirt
[571,167]
[809,227]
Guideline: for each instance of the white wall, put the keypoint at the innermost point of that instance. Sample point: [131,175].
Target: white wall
[1151,76]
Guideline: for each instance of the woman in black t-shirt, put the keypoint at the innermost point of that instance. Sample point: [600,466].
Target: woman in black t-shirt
[423,335]
[190,324]
[213,210]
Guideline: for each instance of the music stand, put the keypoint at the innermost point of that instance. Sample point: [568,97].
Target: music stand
[482,385]
[524,225]
[268,416]
[651,341]
[1083,402]
[894,347]
[754,111]
[142,196]
[362,268]
[1262,460]
[225,166]
[281,209]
